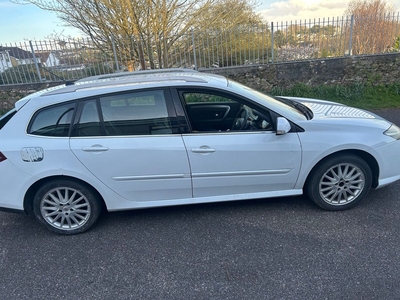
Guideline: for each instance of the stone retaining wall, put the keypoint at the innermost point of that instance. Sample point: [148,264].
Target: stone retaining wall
[9,94]
[373,69]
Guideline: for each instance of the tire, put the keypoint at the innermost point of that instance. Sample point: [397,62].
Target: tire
[66,207]
[339,182]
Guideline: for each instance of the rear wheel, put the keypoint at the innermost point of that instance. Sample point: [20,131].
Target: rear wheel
[66,206]
[339,182]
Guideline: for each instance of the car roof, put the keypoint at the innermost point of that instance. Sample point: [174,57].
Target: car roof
[108,83]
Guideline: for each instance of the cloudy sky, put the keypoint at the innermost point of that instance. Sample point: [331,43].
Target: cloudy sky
[21,23]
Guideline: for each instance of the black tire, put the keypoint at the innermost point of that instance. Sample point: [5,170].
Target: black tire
[66,206]
[339,182]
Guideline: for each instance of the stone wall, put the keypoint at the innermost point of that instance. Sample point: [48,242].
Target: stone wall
[373,69]
[9,94]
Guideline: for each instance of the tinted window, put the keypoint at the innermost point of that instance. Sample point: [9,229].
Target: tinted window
[7,117]
[140,113]
[53,121]
[89,122]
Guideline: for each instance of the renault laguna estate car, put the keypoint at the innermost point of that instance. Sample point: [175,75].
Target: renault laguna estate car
[128,141]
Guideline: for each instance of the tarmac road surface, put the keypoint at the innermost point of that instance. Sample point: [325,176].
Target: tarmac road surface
[284,248]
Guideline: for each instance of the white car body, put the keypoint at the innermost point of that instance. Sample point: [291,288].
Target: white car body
[130,172]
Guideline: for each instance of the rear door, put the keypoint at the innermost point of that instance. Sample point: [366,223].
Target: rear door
[128,142]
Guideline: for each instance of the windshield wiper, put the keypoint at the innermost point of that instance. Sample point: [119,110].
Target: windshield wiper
[298,106]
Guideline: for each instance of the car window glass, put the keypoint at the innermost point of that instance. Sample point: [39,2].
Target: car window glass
[89,122]
[208,111]
[139,113]
[53,121]
[7,117]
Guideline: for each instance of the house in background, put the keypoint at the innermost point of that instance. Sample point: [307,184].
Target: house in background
[18,56]
[48,59]
[5,60]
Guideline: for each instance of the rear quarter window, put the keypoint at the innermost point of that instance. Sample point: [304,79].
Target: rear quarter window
[52,121]
[7,117]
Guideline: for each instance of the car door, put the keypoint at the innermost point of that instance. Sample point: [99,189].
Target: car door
[127,142]
[237,161]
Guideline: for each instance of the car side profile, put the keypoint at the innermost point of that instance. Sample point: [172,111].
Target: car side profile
[160,138]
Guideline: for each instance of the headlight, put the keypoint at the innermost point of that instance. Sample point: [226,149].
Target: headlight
[393,131]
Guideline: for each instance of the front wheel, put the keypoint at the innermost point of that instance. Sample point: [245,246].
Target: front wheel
[66,206]
[339,182]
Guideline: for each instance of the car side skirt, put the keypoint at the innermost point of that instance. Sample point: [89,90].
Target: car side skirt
[223,198]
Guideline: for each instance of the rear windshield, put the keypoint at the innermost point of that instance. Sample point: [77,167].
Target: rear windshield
[7,117]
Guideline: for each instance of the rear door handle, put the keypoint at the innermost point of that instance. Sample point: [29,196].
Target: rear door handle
[95,148]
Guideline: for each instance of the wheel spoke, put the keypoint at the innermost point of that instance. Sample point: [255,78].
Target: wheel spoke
[54,198]
[59,195]
[68,218]
[350,174]
[329,188]
[81,211]
[332,180]
[355,187]
[54,213]
[77,200]
[73,217]
[70,199]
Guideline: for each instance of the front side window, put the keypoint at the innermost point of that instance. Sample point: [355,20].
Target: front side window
[138,113]
[210,111]
[52,121]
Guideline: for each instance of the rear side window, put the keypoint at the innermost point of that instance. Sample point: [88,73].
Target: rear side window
[7,117]
[89,123]
[139,113]
[52,121]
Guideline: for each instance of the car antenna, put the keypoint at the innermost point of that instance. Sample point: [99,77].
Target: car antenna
[66,82]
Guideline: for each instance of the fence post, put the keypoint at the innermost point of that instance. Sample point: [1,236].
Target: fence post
[272,42]
[351,35]
[115,53]
[194,51]
[36,63]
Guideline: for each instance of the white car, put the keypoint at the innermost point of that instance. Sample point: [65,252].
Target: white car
[128,141]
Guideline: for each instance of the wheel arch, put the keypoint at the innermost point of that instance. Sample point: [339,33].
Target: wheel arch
[30,194]
[367,157]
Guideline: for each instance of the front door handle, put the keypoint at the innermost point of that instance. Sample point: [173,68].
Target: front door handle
[203,150]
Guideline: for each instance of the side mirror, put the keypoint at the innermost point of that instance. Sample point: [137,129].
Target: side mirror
[283,126]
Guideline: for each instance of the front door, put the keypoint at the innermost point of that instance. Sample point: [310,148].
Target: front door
[233,148]
[242,162]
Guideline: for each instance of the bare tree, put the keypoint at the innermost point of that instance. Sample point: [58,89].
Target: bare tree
[144,30]
[373,30]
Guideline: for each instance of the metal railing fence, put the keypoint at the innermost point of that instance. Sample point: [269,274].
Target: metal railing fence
[71,59]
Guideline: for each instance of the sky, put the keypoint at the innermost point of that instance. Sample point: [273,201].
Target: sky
[21,23]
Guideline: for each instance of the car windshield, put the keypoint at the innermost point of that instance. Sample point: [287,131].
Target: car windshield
[274,104]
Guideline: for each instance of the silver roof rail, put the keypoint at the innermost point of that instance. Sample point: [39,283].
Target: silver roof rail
[126,74]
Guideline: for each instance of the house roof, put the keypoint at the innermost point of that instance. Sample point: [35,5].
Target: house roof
[17,52]
[43,55]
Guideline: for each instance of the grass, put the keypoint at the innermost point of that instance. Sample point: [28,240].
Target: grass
[360,95]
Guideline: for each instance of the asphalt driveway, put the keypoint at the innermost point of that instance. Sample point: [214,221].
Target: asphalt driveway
[283,248]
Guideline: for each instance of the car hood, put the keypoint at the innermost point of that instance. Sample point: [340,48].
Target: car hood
[328,109]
